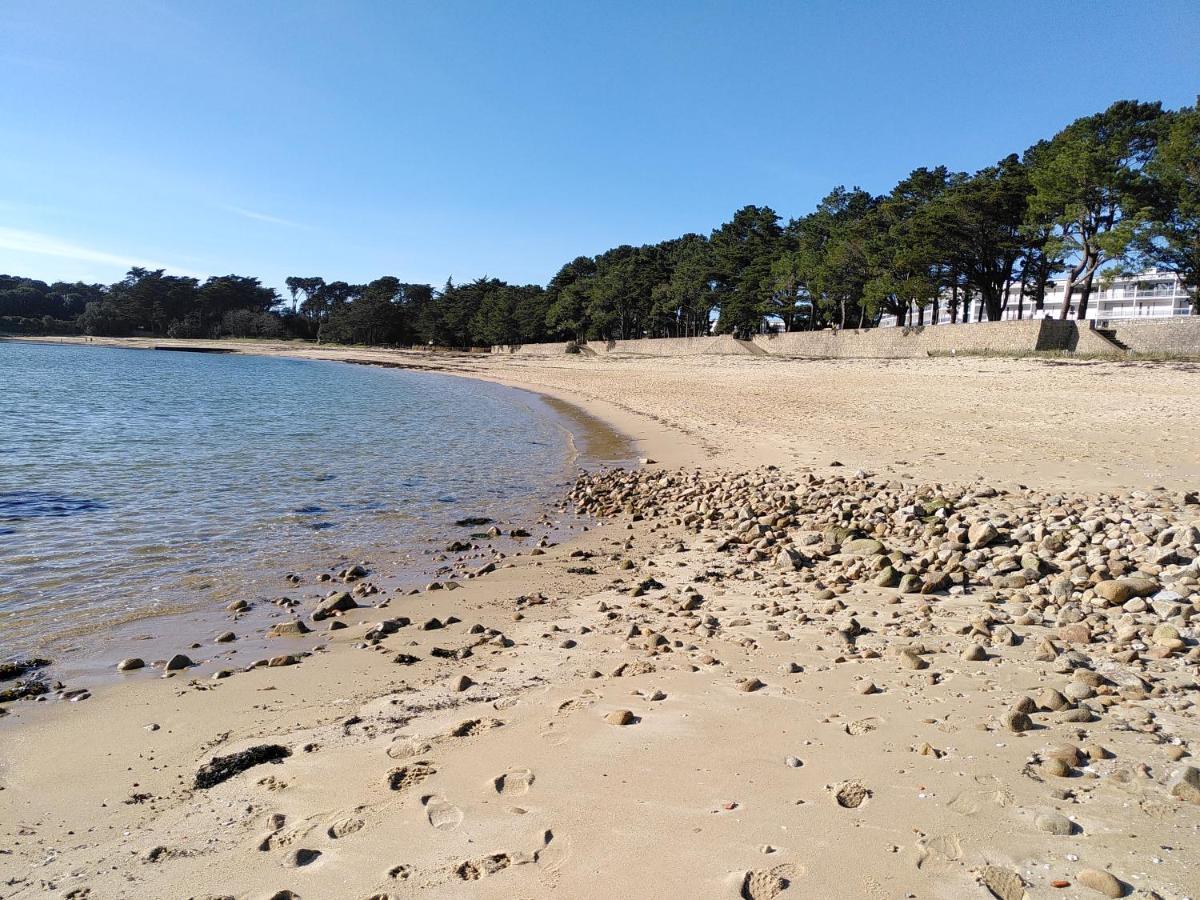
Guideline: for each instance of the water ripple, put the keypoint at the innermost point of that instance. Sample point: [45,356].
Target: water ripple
[138,473]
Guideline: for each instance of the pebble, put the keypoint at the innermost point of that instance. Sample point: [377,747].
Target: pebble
[1102,882]
[1017,721]
[620,717]
[177,662]
[131,663]
[975,653]
[1057,767]
[1054,823]
[291,629]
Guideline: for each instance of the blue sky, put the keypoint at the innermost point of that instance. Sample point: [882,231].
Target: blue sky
[435,139]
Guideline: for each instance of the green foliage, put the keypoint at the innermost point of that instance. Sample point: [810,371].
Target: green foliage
[1090,186]
[1171,239]
[743,251]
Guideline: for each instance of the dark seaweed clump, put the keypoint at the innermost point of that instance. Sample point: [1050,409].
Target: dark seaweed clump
[222,768]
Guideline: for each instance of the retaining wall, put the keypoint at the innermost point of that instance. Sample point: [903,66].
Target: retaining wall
[1177,335]
[554,349]
[717,345]
[1181,336]
[896,343]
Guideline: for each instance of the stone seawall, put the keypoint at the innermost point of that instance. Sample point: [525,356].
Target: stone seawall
[717,345]
[898,343]
[1178,336]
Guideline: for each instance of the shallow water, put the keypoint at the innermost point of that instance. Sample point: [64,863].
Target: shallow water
[136,483]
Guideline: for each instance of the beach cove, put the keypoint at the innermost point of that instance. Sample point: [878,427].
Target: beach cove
[934,640]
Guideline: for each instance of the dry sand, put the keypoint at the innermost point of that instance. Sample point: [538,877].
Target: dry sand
[398,783]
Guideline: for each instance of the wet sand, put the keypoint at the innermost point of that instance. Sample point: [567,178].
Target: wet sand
[681,702]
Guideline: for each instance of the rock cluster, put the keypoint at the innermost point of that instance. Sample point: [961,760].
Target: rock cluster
[1117,571]
[1104,591]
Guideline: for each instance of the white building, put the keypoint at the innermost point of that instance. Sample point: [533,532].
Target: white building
[1148,294]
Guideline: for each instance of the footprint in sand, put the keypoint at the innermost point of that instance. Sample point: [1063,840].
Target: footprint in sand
[555,735]
[474,869]
[971,802]
[513,783]
[347,825]
[553,854]
[442,814]
[850,794]
[549,857]
[575,703]
[473,727]
[862,726]
[405,747]
[409,776]
[765,884]
[939,851]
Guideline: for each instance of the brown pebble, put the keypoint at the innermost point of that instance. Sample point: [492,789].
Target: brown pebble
[620,717]
[1102,882]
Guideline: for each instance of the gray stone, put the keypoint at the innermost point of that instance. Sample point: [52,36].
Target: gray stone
[1054,823]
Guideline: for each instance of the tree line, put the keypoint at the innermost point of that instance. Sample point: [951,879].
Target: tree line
[1110,191]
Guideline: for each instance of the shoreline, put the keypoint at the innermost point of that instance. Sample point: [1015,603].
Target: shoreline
[81,652]
[652,439]
[793,678]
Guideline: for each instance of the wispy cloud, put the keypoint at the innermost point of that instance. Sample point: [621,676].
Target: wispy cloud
[21,241]
[262,217]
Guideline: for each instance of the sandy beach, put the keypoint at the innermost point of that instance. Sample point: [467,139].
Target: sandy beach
[886,629]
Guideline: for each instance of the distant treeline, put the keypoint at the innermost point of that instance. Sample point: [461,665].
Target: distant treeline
[1117,189]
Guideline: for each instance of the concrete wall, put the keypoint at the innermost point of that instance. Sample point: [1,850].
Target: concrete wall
[1181,336]
[555,349]
[1176,335]
[719,345]
[897,343]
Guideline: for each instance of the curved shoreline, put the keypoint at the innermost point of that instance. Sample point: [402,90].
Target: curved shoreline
[590,441]
[654,439]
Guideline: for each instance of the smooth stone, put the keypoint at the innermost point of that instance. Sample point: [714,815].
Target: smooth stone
[1054,823]
[1185,784]
[1102,882]
[288,629]
[620,717]
[1017,721]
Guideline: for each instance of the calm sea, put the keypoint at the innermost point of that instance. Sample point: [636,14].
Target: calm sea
[136,483]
